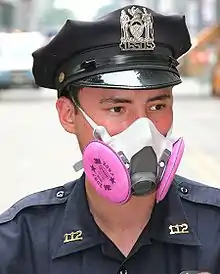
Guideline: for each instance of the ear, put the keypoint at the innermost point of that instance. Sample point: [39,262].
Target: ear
[67,114]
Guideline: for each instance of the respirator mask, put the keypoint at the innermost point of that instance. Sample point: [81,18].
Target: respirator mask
[137,161]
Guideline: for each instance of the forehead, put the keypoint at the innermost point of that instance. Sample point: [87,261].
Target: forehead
[90,93]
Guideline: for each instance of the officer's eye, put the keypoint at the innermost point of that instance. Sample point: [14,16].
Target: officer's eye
[157,107]
[116,109]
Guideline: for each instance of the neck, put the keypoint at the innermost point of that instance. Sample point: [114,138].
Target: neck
[133,215]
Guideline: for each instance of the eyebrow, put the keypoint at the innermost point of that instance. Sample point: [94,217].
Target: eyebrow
[116,100]
[159,98]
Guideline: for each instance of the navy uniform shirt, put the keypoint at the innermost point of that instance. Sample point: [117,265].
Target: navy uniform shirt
[53,232]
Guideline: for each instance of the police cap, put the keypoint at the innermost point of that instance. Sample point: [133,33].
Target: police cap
[131,48]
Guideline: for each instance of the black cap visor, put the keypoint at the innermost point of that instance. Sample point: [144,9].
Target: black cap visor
[132,79]
[139,71]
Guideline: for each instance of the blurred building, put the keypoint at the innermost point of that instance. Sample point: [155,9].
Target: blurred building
[31,15]
[7,12]
[199,13]
[41,14]
[15,14]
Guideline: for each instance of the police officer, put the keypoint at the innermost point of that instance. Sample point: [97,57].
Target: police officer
[128,213]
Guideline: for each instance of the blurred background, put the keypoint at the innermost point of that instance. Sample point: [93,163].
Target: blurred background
[36,153]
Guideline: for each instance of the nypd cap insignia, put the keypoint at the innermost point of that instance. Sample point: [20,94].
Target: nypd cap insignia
[137,31]
[130,48]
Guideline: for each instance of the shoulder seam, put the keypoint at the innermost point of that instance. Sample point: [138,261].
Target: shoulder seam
[37,199]
[197,192]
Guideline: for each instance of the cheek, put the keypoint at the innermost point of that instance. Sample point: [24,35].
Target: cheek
[164,122]
[116,127]
[84,132]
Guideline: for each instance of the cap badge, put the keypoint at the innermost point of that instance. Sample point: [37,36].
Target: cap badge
[61,77]
[137,32]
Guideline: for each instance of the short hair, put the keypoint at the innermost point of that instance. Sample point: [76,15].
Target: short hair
[72,93]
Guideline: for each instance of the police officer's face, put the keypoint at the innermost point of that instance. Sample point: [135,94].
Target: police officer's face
[116,109]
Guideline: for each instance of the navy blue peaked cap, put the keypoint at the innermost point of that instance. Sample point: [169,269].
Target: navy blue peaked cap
[130,48]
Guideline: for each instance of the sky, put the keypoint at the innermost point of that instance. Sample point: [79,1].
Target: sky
[82,9]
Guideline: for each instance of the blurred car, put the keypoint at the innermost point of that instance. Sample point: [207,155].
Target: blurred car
[16,60]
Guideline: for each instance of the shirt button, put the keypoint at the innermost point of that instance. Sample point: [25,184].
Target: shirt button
[60,194]
[184,190]
[123,271]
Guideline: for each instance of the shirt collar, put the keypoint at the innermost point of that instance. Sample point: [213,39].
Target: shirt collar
[169,222]
[78,229]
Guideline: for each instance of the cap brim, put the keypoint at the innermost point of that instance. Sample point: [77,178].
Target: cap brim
[132,79]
